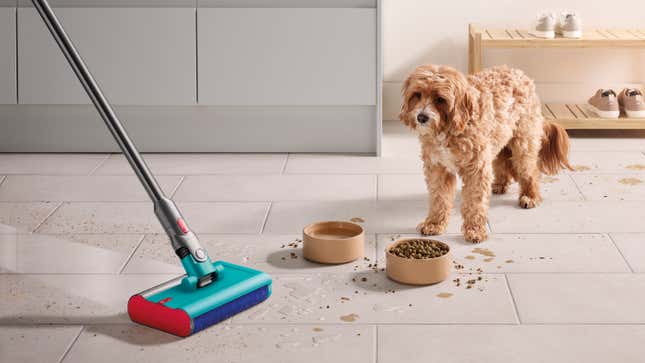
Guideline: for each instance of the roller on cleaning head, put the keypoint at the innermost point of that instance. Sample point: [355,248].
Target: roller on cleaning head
[209,292]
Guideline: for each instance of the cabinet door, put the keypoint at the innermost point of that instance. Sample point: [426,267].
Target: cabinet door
[139,56]
[287,56]
[7,55]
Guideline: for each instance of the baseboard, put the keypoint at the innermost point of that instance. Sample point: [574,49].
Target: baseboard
[78,128]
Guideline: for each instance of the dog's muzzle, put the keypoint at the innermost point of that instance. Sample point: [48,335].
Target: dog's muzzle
[422,118]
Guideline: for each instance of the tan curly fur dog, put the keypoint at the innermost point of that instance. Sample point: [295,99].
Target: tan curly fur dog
[489,129]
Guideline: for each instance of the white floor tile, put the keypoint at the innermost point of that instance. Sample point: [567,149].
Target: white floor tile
[368,297]
[353,164]
[413,187]
[569,217]
[140,218]
[600,162]
[36,188]
[32,253]
[196,164]
[632,246]
[269,253]
[528,253]
[23,217]
[277,187]
[70,299]
[612,186]
[579,298]
[526,344]
[224,343]
[50,164]
[379,216]
[36,344]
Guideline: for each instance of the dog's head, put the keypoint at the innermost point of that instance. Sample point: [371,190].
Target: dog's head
[437,99]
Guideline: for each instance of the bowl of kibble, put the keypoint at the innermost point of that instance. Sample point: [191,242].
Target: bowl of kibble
[418,261]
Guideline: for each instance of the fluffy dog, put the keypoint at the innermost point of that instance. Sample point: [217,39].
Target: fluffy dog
[488,128]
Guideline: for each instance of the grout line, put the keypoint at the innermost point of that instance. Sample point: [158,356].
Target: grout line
[266,218]
[69,348]
[517,312]
[611,238]
[134,250]
[284,164]
[331,273]
[370,324]
[100,164]
[60,204]
[577,187]
[174,190]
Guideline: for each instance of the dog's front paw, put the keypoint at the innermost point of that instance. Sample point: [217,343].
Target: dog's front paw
[500,188]
[430,228]
[475,233]
[527,202]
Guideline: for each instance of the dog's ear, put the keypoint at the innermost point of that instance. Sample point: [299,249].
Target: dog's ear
[464,106]
[406,99]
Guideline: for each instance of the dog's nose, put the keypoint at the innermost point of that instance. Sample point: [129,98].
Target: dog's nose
[422,118]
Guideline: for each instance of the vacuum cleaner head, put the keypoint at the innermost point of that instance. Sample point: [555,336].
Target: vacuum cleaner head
[182,309]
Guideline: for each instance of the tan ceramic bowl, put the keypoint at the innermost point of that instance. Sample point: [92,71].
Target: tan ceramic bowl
[413,271]
[333,242]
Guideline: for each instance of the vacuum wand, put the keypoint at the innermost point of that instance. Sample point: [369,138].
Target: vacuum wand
[184,241]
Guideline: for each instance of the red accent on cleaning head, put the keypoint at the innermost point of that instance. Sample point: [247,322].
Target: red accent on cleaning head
[158,316]
[182,225]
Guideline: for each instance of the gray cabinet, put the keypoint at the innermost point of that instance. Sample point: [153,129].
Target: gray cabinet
[287,56]
[7,55]
[140,56]
[196,75]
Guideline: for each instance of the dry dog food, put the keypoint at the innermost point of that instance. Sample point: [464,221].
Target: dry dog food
[420,249]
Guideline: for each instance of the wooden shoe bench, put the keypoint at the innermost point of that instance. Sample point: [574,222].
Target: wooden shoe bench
[570,116]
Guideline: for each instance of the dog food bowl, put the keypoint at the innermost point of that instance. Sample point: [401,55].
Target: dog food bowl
[413,271]
[333,242]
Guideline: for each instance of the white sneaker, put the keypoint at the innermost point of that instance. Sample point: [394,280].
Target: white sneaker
[544,26]
[569,25]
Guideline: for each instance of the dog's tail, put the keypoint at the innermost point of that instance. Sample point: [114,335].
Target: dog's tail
[555,149]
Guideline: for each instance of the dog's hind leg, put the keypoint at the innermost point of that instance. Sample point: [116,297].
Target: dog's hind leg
[442,185]
[503,170]
[525,167]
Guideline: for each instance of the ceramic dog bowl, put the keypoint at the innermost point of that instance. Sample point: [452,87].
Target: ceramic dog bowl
[333,242]
[413,271]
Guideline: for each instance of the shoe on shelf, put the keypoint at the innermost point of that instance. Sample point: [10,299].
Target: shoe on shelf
[569,25]
[631,100]
[544,26]
[605,104]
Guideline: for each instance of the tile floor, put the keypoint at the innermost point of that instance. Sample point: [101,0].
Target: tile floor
[560,283]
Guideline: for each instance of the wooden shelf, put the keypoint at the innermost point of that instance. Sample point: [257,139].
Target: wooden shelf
[570,116]
[579,116]
[593,38]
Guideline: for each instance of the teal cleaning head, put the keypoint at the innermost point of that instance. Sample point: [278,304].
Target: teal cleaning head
[179,307]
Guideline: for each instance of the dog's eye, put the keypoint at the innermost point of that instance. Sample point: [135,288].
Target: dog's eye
[416,95]
[440,100]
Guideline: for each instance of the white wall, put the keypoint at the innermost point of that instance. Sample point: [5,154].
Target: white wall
[428,31]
